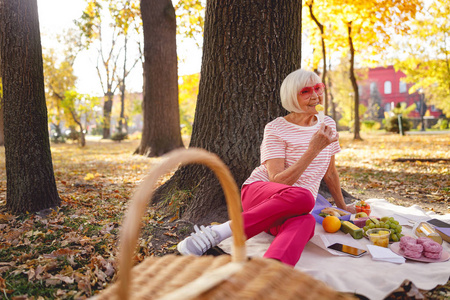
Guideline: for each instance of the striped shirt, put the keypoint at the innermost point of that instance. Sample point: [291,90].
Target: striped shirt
[283,139]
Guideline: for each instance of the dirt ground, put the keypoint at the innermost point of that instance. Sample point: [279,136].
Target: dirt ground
[368,169]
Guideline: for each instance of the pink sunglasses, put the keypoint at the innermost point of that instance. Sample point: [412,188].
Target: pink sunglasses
[306,92]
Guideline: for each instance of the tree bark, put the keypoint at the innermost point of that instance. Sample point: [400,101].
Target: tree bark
[29,171]
[249,48]
[161,132]
[356,135]
[122,87]
[82,139]
[122,107]
[2,136]
[107,108]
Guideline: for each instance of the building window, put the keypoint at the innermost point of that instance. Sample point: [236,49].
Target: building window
[387,107]
[373,88]
[387,87]
[402,87]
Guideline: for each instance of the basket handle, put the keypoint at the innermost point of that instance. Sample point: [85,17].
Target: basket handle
[132,223]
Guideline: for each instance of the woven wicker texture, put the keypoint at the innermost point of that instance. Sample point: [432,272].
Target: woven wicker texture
[206,277]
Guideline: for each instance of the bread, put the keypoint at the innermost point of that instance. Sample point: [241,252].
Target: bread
[334,212]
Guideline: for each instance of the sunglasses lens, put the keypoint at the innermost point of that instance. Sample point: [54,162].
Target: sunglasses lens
[306,92]
[319,89]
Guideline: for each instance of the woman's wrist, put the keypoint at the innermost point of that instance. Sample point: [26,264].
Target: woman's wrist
[311,153]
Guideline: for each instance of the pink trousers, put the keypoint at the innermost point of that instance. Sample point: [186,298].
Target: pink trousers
[283,211]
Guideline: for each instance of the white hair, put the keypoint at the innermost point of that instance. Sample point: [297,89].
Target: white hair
[292,85]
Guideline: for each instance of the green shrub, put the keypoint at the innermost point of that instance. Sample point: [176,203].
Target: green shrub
[391,124]
[368,125]
[98,130]
[119,136]
[57,136]
[441,124]
[72,134]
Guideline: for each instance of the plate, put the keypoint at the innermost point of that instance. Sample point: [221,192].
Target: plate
[395,247]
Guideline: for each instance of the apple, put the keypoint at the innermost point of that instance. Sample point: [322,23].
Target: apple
[361,215]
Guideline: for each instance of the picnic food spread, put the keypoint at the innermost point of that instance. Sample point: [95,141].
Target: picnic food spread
[385,230]
[379,236]
[352,229]
[331,224]
[362,206]
[330,211]
[387,223]
[415,248]
[425,230]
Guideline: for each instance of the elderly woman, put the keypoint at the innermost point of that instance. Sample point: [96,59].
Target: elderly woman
[296,153]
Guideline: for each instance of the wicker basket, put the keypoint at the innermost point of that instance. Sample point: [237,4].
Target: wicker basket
[206,277]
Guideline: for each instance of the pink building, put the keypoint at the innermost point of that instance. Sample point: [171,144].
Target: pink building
[384,88]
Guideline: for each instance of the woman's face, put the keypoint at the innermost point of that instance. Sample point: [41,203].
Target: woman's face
[311,95]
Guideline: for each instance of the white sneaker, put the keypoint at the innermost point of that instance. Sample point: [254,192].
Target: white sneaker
[199,242]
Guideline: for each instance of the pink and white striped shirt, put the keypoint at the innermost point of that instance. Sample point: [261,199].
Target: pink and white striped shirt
[283,139]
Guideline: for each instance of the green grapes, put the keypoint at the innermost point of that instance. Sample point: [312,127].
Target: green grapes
[387,223]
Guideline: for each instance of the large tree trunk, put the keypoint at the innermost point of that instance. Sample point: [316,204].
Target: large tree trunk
[249,48]
[161,132]
[356,135]
[29,171]
[2,136]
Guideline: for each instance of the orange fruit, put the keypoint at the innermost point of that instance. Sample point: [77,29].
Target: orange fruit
[331,224]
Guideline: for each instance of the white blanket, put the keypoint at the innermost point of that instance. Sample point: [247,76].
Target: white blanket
[363,275]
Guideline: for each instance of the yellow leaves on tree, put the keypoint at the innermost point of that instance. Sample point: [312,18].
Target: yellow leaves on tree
[425,56]
[372,22]
[187,97]
[190,15]
[58,79]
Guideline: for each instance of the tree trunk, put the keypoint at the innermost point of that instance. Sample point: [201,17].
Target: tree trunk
[82,138]
[107,108]
[333,105]
[29,171]
[324,53]
[122,88]
[2,136]
[356,135]
[161,132]
[122,107]
[249,48]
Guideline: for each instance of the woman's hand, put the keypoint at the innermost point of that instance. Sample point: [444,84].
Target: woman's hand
[351,208]
[322,138]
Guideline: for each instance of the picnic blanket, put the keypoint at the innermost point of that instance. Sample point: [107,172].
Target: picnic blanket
[364,276]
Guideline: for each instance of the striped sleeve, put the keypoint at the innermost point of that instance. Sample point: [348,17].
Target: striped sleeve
[272,145]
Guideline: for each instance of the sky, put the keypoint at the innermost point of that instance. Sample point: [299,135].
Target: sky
[55,16]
